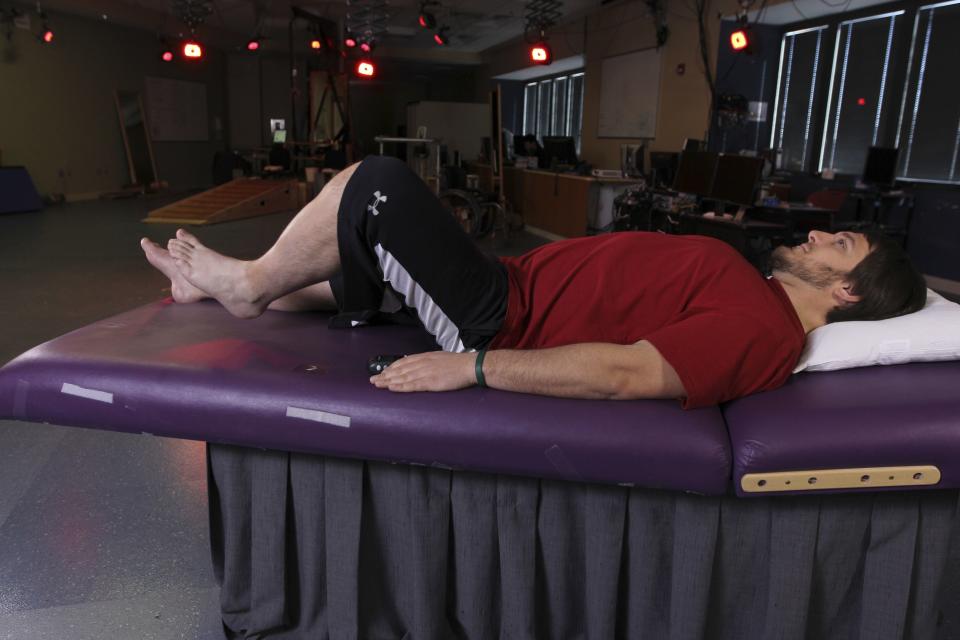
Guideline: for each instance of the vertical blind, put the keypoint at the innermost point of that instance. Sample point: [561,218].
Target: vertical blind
[796,92]
[930,135]
[880,80]
[554,107]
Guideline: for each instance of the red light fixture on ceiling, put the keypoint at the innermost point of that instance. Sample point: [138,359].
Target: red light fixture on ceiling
[366,69]
[47,35]
[253,44]
[441,38]
[425,18]
[367,46]
[166,51]
[862,102]
[192,50]
[540,53]
[739,40]
[349,40]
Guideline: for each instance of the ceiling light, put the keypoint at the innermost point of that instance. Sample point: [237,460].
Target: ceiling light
[192,50]
[366,69]
[738,40]
[540,53]
[425,18]
[441,37]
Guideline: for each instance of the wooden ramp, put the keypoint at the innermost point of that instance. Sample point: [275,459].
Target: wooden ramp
[240,198]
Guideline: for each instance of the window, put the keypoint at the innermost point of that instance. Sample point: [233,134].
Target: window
[554,107]
[930,133]
[861,100]
[884,80]
[800,53]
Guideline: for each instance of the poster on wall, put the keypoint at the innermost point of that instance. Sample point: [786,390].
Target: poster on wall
[629,94]
[177,110]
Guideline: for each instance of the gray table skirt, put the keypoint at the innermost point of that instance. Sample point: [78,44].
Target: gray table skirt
[315,547]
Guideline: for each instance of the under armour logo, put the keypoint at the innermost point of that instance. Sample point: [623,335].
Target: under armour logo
[375,202]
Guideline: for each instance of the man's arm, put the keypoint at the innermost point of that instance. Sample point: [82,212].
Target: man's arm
[594,370]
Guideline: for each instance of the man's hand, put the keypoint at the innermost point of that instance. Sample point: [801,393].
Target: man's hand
[433,371]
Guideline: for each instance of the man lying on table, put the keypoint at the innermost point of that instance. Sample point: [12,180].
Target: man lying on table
[621,316]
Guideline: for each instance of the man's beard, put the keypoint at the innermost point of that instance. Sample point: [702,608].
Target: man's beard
[815,274]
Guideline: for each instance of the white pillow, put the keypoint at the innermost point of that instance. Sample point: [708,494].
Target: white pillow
[933,333]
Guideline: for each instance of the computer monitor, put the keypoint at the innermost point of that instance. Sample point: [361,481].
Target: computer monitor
[663,167]
[736,179]
[880,168]
[559,150]
[695,172]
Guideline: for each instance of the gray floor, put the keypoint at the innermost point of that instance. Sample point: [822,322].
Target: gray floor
[102,535]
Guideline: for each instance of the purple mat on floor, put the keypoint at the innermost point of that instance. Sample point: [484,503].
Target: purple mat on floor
[285,381]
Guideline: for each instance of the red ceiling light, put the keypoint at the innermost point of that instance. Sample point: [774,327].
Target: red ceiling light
[253,45]
[367,46]
[192,50]
[540,53]
[862,101]
[47,35]
[425,18]
[441,38]
[349,41]
[739,40]
[366,69]
[166,51]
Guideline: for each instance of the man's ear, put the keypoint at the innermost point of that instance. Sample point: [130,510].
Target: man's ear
[843,293]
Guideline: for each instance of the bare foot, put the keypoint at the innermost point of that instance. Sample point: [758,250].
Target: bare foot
[180,287]
[223,278]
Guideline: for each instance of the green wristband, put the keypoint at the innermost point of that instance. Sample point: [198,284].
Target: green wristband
[478,368]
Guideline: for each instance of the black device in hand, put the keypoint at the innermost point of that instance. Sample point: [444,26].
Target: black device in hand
[377,364]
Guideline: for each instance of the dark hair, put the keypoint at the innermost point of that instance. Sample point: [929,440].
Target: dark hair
[887,282]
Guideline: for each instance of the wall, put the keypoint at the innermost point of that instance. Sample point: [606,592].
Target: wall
[753,76]
[620,28]
[57,115]
[379,106]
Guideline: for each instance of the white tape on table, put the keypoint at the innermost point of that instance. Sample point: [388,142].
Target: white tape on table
[335,419]
[89,394]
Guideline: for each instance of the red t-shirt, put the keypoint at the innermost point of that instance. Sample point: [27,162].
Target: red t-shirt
[725,329]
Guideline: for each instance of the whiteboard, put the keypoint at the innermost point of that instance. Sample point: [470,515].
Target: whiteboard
[177,110]
[629,93]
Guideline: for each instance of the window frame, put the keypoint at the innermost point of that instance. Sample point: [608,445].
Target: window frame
[567,116]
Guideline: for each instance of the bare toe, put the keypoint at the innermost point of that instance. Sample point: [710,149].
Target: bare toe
[187,237]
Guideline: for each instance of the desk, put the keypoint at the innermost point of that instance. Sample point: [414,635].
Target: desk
[559,203]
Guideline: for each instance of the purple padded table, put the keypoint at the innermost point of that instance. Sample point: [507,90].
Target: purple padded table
[308,546]
[884,428]
[285,381]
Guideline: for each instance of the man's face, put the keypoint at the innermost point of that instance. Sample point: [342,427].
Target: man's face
[824,259]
